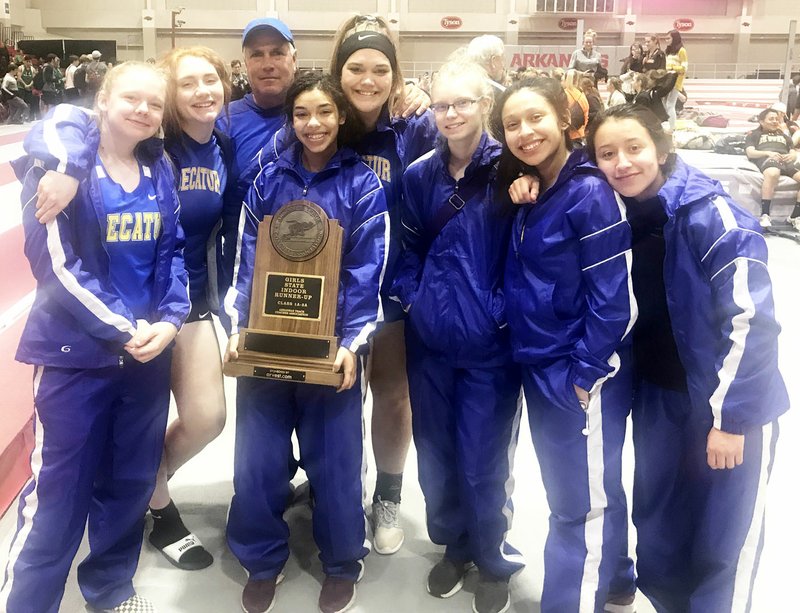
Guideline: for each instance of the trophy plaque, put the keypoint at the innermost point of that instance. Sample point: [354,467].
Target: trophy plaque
[290,335]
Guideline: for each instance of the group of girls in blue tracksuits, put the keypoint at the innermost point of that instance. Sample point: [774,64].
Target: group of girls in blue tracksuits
[544,296]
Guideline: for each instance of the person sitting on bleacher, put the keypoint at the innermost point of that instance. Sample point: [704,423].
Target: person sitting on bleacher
[769,148]
[787,126]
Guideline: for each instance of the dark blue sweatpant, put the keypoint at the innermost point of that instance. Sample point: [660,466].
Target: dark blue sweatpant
[700,531]
[466,423]
[99,438]
[586,553]
[329,429]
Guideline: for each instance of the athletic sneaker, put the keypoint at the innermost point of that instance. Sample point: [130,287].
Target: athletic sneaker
[491,596]
[794,222]
[620,603]
[338,594]
[765,221]
[388,536]
[258,595]
[134,604]
[447,577]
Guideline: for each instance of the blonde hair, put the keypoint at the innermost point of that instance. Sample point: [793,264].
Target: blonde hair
[371,23]
[169,65]
[115,74]
[571,77]
[472,72]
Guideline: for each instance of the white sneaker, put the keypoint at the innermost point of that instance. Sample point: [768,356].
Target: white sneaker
[794,222]
[388,536]
[765,221]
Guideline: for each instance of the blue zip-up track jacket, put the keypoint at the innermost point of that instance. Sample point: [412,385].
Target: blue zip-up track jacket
[60,143]
[77,319]
[719,297]
[348,191]
[453,290]
[568,286]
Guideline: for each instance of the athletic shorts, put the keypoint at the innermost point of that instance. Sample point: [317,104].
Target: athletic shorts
[788,169]
[200,311]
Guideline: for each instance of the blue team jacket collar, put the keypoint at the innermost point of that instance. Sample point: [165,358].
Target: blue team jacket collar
[292,160]
[578,162]
[686,185]
[485,154]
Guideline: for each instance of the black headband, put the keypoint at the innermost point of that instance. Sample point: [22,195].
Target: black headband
[366,39]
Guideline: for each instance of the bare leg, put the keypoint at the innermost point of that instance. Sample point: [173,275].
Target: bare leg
[197,384]
[771,176]
[391,433]
[391,408]
[200,399]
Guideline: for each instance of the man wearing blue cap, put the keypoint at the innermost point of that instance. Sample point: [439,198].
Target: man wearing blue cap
[270,60]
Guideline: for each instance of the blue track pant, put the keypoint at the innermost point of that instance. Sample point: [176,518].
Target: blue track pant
[329,429]
[466,422]
[586,554]
[700,531]
[99,438]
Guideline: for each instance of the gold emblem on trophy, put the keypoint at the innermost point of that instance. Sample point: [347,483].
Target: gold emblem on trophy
[290,336]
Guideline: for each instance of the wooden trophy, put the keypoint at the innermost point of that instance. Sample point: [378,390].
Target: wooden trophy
[294,297]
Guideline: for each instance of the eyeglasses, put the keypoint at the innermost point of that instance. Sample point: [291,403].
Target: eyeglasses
[462,104]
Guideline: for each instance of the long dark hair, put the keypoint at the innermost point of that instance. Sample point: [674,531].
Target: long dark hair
[352,130]
[647,119]
[676,44]
[509,167]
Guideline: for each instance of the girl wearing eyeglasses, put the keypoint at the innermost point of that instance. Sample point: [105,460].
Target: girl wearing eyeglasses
[464,386]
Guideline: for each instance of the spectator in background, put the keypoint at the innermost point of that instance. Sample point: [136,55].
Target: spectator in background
[589,89]
[651,89]
[70,91]
[5,57]
[240,86]
[769,148]
[578,105]
[425,83]
[17,109]
[586,59]
[26,74]
[677,61]
[53,83]
[654,58]
[793,101]
[95,73]
[634,61]
[615,94]
[489,51]
[79,81]
[787,126]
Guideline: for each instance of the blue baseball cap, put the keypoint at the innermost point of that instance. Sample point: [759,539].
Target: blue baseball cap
[268,23]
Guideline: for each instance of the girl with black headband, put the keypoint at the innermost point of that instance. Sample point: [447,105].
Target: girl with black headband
[366,66]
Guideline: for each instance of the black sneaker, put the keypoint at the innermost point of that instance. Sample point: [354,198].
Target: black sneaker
[491,595]
[447,577]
